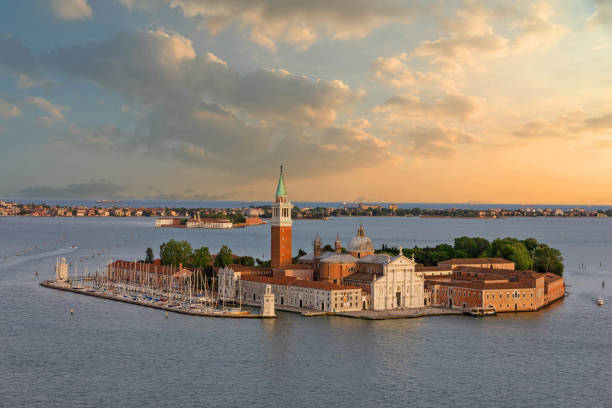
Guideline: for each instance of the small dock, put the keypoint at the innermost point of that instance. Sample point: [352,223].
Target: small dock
[142,302]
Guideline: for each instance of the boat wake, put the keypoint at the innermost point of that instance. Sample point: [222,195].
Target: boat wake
[12,261]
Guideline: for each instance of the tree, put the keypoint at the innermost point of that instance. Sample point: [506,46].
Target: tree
[149,258]
[531,244]
[201,258]
[263,264]
[224,257]
[237,218]
[473,247]
[511,249]
[247,261]
[296,259]
[548,259]
[175,252]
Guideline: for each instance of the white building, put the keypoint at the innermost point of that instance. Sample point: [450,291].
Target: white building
[289,291]
[393,282]
[215,223]
[166,222]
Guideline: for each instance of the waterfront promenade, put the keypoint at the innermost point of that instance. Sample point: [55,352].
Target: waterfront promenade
[366,314]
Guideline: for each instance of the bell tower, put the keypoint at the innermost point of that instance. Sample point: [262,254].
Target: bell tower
[280,226]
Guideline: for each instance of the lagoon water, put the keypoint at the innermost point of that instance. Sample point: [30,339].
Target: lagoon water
[113,354]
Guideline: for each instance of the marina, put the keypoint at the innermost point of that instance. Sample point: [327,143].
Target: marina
[161,288]
[192,310]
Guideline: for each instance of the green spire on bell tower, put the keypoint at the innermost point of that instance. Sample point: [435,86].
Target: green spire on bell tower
[280,190]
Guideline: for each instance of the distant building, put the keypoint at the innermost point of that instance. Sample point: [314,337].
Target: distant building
[168,221]
[214,223]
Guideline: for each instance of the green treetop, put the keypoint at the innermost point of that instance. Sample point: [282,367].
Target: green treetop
[175,252]
[224,257]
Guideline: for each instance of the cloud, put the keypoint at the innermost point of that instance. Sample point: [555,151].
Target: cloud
[153,66]
[202,112]
[282,97]
[25,82]
[8,110]
[535,28]
[602,16]
[55,112]
[434,141]
[93,189]
[71,9]
[297,23]
[191,195]
[17,58]
[473,33]
[411,106]
[103,139]
[393,71]
[567,126]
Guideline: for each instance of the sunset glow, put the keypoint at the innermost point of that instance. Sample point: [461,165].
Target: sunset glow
[361,100]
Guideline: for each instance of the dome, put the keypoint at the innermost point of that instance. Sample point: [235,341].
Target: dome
[361,243]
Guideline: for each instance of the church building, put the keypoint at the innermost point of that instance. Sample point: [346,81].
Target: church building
[335,281]
[388,282]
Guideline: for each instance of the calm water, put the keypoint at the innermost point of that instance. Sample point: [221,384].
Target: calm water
[112,354]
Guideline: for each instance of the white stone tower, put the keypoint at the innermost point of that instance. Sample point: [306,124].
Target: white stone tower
[267,302]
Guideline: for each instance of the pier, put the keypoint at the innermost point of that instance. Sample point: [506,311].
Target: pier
[156,305]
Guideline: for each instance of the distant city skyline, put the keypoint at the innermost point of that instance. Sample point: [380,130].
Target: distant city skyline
[360,100]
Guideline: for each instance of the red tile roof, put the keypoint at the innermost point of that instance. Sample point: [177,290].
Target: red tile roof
[248,268]
[322,285]
[472,261]
[287,280]
[146,267]
[293,267]
[432,268]
[293,281]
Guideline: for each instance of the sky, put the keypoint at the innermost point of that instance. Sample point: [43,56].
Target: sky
[360,100]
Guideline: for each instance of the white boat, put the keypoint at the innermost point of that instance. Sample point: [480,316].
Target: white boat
[599,301]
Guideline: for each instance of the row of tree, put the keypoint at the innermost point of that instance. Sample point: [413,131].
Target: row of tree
[180,252]
[528,254]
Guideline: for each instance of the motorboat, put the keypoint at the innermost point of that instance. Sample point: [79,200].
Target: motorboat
[599,301]
[481,311]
